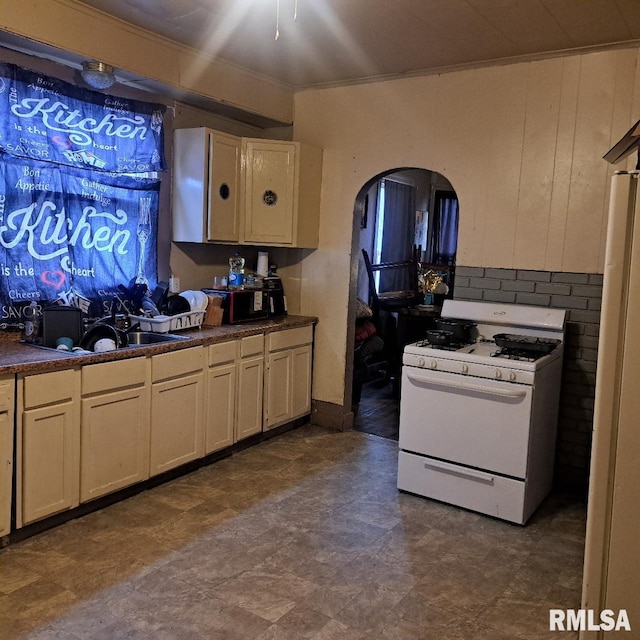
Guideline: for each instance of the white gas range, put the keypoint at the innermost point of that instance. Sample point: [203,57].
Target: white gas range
[478,421]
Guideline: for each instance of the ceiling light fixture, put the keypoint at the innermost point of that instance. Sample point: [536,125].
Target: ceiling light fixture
[295,15]
[98,75]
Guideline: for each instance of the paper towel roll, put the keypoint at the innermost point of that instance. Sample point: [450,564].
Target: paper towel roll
[263,264]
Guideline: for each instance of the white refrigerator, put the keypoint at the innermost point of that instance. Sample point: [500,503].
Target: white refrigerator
[612,550]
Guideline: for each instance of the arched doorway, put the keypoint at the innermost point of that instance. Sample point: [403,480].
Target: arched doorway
[398,214]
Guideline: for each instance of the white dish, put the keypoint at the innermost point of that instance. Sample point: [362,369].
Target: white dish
[201,300]
[190,298]
[104,344]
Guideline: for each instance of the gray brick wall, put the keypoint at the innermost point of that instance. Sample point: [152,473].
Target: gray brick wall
[581,295]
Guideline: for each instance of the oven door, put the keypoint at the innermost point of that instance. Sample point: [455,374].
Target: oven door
[476,422]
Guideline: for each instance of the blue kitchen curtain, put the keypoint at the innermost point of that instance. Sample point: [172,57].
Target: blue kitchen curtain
[71,236]
[75,220]
[50,120]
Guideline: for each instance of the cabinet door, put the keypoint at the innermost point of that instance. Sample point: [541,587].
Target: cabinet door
[190,181]
[221,407]
[224,181]
[301,381]
[48,445]
[177,422]
[6,451]
[6,470]
[278,388]
[50,479]
[250,395]
[206,182]
[269,192]
[115,441]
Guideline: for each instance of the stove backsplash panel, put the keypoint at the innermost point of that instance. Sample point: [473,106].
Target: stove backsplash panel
[581,295]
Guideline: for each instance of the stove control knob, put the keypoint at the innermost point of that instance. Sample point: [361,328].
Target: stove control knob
[433,364]
[421,362]
[512,376]
[465,368]
[498,374]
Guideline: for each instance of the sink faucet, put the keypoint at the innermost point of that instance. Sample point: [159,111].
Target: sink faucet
[112,317]
[114,303]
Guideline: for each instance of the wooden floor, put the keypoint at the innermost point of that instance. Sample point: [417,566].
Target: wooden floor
[378,410]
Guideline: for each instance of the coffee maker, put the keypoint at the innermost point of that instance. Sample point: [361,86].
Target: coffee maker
[276,300]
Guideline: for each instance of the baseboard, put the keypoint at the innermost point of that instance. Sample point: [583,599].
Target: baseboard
[332,416]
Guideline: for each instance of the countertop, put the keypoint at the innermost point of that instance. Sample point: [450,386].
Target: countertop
[17,357]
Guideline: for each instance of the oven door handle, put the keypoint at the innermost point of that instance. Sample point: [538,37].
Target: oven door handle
[465,386]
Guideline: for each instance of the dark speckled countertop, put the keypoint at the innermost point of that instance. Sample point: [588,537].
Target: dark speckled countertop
[16,357]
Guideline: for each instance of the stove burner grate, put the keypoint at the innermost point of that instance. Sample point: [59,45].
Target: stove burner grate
[452,346]
[509,353]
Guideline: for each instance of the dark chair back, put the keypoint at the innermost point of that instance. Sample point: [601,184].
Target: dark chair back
[393,300]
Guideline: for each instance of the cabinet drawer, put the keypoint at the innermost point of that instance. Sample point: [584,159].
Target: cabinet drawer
[481,491]
[176,363]
[6,393]
[114,375]
[48,388]
[222,353]
[289,338]
[252,346]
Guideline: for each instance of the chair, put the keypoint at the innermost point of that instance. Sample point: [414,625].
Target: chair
[390,302]
[393,300]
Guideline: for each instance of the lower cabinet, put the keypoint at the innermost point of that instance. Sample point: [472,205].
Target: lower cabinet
[7,403]
[115,426]
[250,386]
[235,380]
[177,409]
[221,396]
[288,376]
[278,388]
[85,432]
[48,444]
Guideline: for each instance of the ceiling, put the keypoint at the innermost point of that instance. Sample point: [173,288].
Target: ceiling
[345,41]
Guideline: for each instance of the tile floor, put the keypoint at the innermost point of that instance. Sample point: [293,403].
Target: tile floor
[301,537]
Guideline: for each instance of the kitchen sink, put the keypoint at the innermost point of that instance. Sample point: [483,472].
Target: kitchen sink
[143,338]
[135,339]
[61,352]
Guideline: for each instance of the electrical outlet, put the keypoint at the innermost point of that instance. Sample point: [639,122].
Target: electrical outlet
[174,284]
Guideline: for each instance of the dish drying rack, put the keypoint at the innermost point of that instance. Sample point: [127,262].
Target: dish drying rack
[166,324]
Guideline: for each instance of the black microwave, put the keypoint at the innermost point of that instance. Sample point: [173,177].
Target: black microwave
[242,305]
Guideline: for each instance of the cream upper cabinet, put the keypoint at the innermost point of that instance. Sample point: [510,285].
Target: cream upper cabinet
[281,194]
[7,384]
[206,186]
[231,190]
[177,408]
[115,426]
[48,444]
[288,376]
